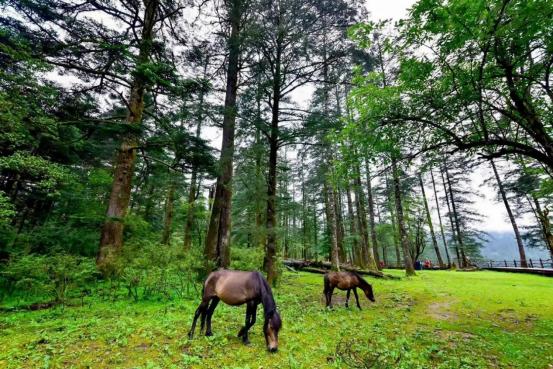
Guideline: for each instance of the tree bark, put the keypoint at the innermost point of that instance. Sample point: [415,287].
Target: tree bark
[190,214]
[543,218]
[409,267]
[332,229]
[366,249]
[168,222]
[353,230]
[269,264]
[217,242]
[391,205]
[111,239]
[430,225]
[374,239]
[440,220]
[520,244]
[463,260]
[340,231]
[450,216]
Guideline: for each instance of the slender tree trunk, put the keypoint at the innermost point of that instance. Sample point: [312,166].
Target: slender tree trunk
[352,229]
[430,225]
[189,223]
[366,248]
[190,214]
[463,260]
[391,205]
[111,239]
[440,220]
[332,230]
[269,263]
[409,267]
[168,222]
[520,244]
[340,232]
[543,218]
[374,239]
[217,242]
[450,216]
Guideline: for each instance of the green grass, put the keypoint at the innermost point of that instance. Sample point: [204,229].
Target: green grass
[435,320]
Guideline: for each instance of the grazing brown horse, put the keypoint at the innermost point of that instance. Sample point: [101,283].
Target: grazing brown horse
[346,281]
[238,288]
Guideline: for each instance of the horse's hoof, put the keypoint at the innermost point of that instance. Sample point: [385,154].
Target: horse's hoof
[246,342]
[241,333]
[190,336]
[208,334]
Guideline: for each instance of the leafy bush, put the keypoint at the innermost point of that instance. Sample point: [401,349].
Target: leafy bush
[247,258]
[153,271]
[55,276]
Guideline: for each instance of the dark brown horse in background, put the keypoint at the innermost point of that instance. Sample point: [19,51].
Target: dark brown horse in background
[346,281]
[238,288]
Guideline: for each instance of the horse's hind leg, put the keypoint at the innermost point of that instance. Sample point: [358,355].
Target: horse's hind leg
[209,314]
[347,298]
[329,297]
[201,309]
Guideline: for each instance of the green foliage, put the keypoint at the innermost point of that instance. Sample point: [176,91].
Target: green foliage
[250,258]
[55,277]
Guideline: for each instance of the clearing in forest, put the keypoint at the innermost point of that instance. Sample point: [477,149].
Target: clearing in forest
[441,319]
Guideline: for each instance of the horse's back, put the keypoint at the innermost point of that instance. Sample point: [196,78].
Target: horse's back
[342,280]
[233,287]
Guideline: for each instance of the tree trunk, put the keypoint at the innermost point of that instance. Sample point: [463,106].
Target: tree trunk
[353,230]
[189,224]
[332,229]
[366,249]
[340,232]
[430,225]
[217,248]
[169,206]
[440,220]
[111,239]
[269,263]
[190,214]
[450,216]
[463,260]
[543,217]
[391,204]
[409,267]
[520,244]
[372,225]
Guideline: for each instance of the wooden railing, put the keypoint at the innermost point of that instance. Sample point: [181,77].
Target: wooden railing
[531,263]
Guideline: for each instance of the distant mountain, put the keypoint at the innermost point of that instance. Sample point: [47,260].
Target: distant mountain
[502,245]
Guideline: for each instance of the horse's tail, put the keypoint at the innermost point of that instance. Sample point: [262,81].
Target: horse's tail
[326,283]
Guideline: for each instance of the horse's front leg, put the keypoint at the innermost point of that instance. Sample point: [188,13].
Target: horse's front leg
[356,298]
[347,298]
[252,317]
[243,329]
[209,314]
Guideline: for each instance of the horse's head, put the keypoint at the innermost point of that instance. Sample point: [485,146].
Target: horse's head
[271,327]
[368,289]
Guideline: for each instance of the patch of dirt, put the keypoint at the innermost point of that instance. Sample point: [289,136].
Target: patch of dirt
[142,347]
[440,311]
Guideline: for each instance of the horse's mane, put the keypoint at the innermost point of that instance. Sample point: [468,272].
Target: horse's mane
[269,305]
[362,282]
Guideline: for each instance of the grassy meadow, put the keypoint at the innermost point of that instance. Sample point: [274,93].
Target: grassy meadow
[442,319]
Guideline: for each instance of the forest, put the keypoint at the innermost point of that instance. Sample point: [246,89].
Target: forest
[145,144]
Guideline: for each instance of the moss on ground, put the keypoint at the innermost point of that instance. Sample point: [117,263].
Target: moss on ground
[434,320]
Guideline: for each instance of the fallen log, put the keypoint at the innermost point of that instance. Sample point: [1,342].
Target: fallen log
[322,267]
